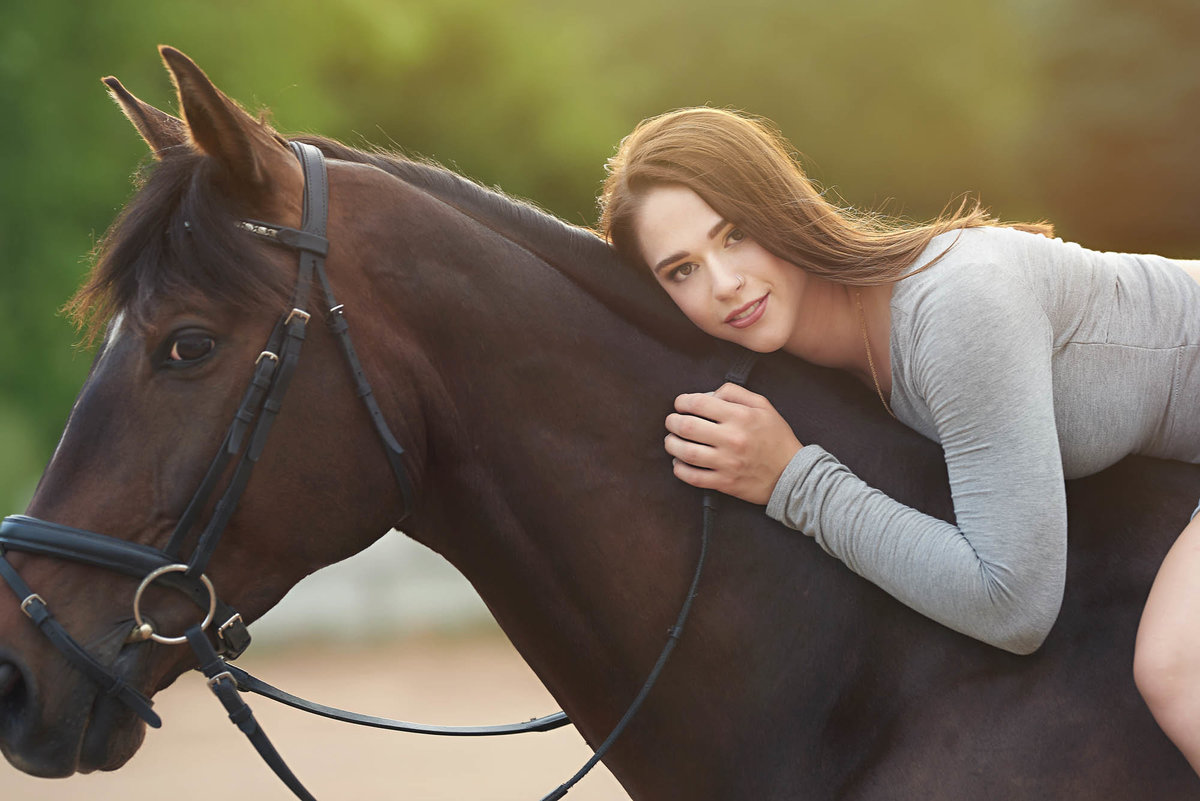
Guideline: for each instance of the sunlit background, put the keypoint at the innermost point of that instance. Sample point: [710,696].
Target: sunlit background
[1082,112]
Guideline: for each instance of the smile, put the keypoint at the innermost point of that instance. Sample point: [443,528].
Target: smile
[749,314]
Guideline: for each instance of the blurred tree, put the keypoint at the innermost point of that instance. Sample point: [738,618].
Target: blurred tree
[1118,127]
[1082,112]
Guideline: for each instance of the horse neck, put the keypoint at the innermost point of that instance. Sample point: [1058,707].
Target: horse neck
[544,480]
[552,420]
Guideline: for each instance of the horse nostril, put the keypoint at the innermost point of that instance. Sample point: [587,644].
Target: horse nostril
[14,699]
[9,676]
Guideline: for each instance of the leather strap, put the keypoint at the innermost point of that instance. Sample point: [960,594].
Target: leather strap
[312,245]
[392,449]
[110,684]
[248,683]
[223,686]
[28,534]
[231,445]
[743,363]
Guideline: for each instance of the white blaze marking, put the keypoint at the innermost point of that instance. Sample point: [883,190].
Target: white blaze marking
[114,332]
[110,338]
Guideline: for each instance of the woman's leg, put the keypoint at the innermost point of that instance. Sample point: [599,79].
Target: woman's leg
[1166,663]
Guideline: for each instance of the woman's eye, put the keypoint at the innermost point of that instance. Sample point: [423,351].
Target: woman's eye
[683,271]
[736,235]
[190,348]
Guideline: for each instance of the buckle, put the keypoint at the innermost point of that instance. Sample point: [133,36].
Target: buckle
[260,229]
[224,675]
[233,636]
[33,597]
[303,315]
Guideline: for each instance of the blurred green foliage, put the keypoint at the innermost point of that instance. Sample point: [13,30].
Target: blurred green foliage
[1084,112]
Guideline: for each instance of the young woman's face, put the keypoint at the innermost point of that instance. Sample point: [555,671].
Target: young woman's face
[725,282]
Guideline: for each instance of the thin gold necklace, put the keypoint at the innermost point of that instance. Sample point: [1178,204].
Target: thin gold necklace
[862,321]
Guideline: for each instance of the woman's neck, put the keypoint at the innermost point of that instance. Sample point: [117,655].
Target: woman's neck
[833,332]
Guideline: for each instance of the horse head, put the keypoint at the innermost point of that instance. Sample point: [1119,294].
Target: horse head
[186,296]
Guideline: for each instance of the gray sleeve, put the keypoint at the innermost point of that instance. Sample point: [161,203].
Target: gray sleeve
[983,369]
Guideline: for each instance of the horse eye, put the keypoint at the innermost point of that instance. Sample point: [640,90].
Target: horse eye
[191,348]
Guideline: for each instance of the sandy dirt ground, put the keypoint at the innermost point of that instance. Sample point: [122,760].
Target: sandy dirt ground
[461,679]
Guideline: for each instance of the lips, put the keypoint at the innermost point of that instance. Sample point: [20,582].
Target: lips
[748,315]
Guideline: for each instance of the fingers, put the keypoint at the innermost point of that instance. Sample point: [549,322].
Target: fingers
[694,453]
[696,476]
[696,429]
[720,405]
[735,393]
[707,428]
[702,404]
[732,440]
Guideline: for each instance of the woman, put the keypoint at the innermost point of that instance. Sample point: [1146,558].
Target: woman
[1028,359]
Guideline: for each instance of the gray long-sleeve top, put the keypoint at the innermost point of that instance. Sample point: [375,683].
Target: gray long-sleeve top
[1029,360]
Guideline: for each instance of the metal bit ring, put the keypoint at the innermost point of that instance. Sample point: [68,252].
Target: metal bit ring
[148,580]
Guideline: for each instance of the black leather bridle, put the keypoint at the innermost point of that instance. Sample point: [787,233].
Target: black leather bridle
[244,442]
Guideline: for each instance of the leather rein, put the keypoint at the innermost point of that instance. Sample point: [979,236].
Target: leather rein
[244,442]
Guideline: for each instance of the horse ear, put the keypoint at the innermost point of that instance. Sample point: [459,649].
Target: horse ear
[255,158]
[160,130]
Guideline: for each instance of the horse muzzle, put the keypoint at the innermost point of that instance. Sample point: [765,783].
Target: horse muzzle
[54,728]
[89,719]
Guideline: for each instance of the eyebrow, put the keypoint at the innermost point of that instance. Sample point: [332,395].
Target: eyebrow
[674,257]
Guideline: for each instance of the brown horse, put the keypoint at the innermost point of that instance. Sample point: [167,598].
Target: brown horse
[526,373]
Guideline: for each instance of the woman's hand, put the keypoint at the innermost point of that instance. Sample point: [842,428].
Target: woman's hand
[731,440]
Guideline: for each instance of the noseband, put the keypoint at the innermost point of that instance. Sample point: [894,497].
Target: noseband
[244,442]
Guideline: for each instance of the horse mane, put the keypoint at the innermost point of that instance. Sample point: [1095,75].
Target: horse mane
[177,238]
[516,219]
[578,253]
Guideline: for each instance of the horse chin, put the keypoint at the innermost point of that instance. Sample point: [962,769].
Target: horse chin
[37,766]
[114,732]
[111,738]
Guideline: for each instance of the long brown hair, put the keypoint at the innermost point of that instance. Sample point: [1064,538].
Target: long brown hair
[742,167]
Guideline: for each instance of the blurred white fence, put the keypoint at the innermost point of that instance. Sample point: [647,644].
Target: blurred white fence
[395,587]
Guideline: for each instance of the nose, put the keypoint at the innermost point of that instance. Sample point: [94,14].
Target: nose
[9,676]
[727,280]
